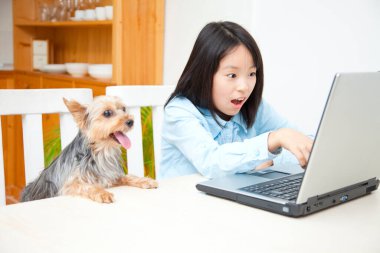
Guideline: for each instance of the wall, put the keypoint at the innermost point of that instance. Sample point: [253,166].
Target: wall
[185,19]
[304,43]
[6,32]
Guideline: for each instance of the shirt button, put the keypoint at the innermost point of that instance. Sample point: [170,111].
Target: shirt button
[257,152]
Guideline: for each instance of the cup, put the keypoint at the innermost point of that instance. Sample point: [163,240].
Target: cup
[100,13]
[79,14]
[109,11]
[89,14]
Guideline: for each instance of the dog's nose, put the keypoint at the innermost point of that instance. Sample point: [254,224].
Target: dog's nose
[129,123]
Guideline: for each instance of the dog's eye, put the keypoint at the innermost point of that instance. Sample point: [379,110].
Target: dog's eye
[124,109]
[107,113]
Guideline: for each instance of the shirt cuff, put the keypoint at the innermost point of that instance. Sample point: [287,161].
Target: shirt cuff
[274,154]
[261,152]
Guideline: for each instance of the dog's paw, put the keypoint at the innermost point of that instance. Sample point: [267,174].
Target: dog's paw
[102,196]
[148,183]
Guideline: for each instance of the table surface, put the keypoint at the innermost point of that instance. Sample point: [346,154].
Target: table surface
[178,218]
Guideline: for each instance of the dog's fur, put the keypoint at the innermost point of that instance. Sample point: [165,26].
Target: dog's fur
[92,161]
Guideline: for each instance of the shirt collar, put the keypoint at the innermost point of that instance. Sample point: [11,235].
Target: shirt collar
[215,128]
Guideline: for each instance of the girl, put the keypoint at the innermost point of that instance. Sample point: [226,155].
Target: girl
[216,122]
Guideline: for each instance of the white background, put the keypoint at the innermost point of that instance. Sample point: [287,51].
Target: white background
[303,42]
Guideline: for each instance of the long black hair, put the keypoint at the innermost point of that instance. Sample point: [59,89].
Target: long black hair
[215,41]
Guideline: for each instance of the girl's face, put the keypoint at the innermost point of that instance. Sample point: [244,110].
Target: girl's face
[233,82]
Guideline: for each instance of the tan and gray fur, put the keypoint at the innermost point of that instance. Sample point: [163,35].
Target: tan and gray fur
[92,161]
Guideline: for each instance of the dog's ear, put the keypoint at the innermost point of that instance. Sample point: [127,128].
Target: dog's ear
[78,111]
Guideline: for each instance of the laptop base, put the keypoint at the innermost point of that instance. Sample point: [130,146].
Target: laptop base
[291,209]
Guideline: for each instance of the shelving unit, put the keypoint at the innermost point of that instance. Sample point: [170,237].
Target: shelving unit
[132,42]
[64,23]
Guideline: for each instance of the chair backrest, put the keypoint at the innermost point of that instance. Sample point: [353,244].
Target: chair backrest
[31,104]
[135,97]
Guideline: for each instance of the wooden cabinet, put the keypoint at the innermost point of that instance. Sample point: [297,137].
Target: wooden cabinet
[6,79]
[132,42]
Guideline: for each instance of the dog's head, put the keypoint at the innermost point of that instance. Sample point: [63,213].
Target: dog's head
[104,122]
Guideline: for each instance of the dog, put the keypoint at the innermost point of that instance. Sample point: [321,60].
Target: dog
[92,161]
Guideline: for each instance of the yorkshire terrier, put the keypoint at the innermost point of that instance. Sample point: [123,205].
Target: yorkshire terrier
[92,161]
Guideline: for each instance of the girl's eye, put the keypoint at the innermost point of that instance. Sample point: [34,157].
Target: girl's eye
[107,113]
[123,109]
[252,74]
[231,75]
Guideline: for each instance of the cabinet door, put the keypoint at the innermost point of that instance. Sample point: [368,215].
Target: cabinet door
[13,157]
[98,89]
[6,79]
[27,81]
[54,83]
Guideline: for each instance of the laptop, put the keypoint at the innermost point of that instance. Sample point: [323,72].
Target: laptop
[343,164]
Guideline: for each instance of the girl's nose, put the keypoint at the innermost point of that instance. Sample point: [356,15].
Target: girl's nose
[243,84]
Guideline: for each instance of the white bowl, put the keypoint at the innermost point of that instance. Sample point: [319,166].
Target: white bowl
[109,11]
[77,69]
[54,68]
[100,71]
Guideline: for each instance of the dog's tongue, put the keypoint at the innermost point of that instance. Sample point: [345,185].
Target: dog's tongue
[123,139]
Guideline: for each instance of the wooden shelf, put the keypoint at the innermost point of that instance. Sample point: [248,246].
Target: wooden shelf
[28,23]
[68,77]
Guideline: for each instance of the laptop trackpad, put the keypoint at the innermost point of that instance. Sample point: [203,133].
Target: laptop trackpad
[270,174]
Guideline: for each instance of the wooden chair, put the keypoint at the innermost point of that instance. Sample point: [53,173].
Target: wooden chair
[31,104]
[135,97]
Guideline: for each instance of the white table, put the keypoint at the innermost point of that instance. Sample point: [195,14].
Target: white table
[177,218]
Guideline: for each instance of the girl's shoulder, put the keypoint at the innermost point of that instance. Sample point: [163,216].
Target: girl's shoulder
[180,101]
[180,105]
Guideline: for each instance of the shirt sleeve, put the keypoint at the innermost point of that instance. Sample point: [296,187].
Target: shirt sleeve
[268,119]
[186,130]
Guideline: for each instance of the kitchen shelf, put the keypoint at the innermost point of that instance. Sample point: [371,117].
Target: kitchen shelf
[68,77]
[28,23]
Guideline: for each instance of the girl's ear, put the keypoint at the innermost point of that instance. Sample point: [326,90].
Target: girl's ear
[78,111]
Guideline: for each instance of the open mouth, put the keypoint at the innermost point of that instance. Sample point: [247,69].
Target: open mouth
[122,139]
[237,101]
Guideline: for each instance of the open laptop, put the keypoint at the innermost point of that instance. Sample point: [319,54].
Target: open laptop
[343,164]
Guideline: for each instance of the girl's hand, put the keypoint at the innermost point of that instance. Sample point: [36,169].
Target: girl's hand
[264,165]
[297,143]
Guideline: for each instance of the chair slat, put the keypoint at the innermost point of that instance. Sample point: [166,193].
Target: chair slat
[2,178]
[39,100]
[33,146]
[141,95]
[135,157]
[69,129]
[157,116]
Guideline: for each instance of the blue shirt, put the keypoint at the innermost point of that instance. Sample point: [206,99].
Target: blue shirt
[192,141]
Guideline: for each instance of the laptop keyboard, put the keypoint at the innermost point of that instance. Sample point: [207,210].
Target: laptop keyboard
[285,188]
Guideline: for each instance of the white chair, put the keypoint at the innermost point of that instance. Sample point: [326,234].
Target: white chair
[135,97]
[31,104]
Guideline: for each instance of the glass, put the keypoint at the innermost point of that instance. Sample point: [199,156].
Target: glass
[44,12]
[81,5]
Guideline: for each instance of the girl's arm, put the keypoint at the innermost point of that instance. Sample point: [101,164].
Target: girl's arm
[186,129]
[283,135]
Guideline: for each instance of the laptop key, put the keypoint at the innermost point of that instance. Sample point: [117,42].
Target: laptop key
[283,188]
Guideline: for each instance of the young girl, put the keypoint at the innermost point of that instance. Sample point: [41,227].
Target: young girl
[216,122]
